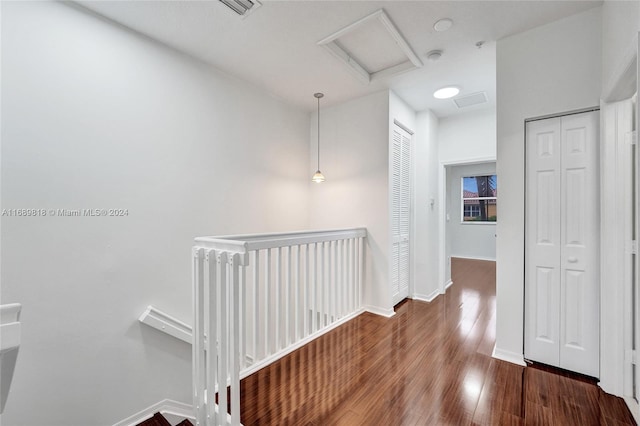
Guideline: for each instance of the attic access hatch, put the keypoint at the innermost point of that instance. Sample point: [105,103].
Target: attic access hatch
[372,48]
[241,7]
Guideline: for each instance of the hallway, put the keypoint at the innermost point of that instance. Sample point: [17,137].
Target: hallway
[430,364]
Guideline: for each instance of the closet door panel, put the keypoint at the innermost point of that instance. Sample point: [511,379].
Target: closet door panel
[400,214]
[396,191]
[579,319]
[542,253]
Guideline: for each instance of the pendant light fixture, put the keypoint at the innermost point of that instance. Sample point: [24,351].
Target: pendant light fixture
[318,176]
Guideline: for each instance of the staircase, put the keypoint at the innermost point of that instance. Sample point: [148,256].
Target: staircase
[159,420]
[258,298]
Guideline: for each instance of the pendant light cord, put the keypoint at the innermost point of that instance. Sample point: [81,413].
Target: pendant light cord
[318,133]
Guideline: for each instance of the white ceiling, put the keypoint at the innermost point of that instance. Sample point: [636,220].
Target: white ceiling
[275,47]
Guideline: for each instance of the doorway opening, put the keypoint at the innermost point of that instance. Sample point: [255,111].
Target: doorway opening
[469,199]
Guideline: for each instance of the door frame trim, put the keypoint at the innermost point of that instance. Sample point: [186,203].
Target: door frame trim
[562,114]
[616,234]
[443,282]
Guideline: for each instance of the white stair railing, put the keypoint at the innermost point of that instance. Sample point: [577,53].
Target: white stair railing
[9,347]
[259,297]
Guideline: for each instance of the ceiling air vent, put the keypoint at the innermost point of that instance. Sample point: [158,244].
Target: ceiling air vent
[241,7]
[470,100]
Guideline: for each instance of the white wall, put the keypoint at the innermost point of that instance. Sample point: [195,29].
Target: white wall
[401,112]
[94,116]
[550,69]
[426,236]
[620,27]
[354,157]
[462,139]
[473,240]
[468,136]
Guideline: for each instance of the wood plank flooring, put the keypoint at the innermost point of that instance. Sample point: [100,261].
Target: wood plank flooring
[430,364]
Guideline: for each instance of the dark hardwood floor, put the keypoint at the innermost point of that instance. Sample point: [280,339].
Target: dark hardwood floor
[430,364]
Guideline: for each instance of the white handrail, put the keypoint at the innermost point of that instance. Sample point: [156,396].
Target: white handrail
[258,297]
[9,346]
[250,242]
[154,317]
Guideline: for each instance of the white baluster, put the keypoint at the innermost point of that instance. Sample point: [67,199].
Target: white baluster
[331,281]
[267,302]
[222,317]
[336,280]
[323,288]
[278,309]
[361,257]
[287,299]
[307,285]
[352,261]
[211,332]
[243,318]
[234,341]
[314,308]
[198,337]
[296,297]
[345,277]
[256,304]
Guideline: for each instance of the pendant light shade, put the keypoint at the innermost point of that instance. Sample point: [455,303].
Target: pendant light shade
[318,176]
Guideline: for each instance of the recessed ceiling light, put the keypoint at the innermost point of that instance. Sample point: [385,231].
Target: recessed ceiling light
[443,25]
[446,92]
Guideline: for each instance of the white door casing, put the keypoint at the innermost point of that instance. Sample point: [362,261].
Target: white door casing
[616,248]
[635,327]
[562,243]
[400,213]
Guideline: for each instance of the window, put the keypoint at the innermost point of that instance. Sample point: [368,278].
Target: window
[479,198]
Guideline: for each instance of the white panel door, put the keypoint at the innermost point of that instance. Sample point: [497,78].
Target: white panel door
[400,213]
[562,298]
[542,250]
[579,298]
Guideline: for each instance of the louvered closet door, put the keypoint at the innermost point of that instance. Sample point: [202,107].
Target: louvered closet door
[562,240]
[400,213]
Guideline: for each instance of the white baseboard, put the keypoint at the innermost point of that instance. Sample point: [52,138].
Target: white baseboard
[633,406]
[389,312]
[512,357]
[426,298]
[173,411]
[489,259]
[447,285]
[273,358]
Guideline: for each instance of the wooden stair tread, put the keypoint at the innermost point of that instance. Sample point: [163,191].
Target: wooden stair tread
[159,420]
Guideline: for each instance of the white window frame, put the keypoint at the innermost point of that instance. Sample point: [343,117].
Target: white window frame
[463,199]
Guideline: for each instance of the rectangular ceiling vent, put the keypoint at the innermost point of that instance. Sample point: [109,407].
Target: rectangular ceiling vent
[241,7]
[470,100]
[372,48]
